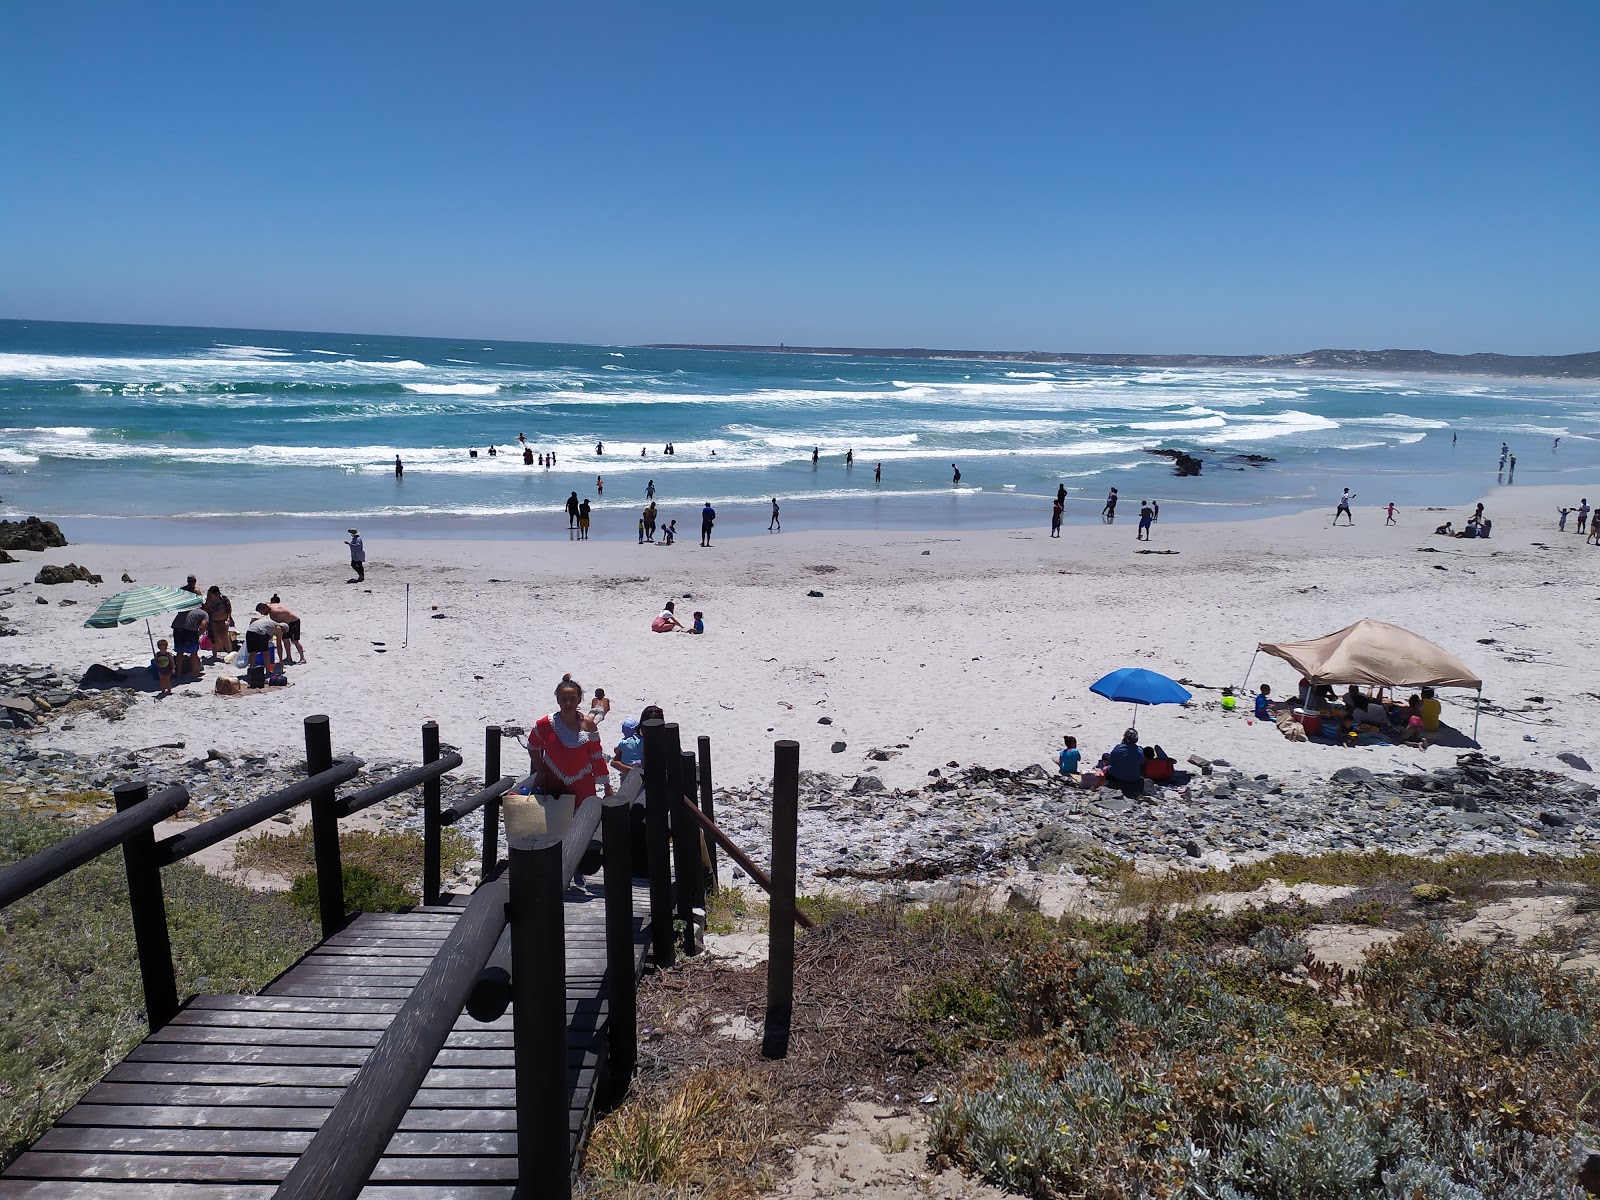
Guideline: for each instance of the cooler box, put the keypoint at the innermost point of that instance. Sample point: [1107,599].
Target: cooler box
[1312,723]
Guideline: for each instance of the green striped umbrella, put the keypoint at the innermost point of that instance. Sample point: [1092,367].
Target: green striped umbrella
[140,603]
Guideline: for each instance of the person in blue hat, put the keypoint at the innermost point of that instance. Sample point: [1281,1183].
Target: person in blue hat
[628,759]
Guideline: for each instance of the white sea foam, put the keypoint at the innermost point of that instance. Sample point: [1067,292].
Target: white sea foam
[453,389]
[17,457]
[251,352]
[1214,422]
[1396,421]
[1030,375]
[1264,426]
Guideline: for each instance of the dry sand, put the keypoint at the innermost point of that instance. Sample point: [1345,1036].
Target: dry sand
[975,647]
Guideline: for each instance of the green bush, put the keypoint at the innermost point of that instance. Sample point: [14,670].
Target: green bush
[364,892]
[71,1001]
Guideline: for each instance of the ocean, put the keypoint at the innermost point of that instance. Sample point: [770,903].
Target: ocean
[150,434]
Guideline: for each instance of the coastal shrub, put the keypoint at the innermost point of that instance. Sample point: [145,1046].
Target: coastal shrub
[395,857]
[364,892]
[1279,953]
[1203,1069]
[70,992]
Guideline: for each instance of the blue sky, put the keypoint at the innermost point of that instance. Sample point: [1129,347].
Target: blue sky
[1066,176]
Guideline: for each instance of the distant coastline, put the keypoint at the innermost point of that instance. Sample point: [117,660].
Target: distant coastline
[1411,362]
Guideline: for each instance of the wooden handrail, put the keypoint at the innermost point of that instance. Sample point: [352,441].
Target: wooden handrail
[50,864]
[743,859]
[191,841]
[339,1160]
[403,782]
[468,805]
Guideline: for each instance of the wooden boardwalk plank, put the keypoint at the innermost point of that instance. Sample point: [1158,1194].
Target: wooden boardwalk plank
[218,1104]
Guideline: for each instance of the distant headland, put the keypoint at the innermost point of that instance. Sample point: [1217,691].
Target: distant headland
[1415,362]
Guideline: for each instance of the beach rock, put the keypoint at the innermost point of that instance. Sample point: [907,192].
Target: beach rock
[1576,761]
[31,534]
[40,600]
[126,578]
[824,720]
[6,558]
[866,783]
[1353,776]
[839,747]
[71,573]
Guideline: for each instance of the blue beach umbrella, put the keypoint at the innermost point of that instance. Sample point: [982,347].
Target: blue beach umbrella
[1135,685]
[141,602]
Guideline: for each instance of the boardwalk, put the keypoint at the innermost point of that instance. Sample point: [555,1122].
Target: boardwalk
[218,1104]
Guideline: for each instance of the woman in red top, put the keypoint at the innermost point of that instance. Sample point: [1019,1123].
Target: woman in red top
[565,750]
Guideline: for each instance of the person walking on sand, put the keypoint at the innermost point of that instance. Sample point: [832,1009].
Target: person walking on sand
[774,523]
[1055,519]
[650,521]
[708,517]
[1108,514]
[583,521]
[358,556]
[956,477]
[1344,507]
[1583,514]
[1390,510]
[399,468]
[1146,517]
[572,511]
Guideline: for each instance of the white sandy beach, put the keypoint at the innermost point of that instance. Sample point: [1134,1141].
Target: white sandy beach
[975,647]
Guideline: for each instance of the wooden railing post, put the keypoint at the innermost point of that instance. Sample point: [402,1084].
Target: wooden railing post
[658,840]
[686,841]
[707,806]
[492,737]
[149,909]
[621,980]
[780,944]
[325,828]
[430,816]
[539,1018]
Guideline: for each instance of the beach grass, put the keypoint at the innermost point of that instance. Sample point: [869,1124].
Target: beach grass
[70,991]
[1364,868]
[1109,1058]
[382,868]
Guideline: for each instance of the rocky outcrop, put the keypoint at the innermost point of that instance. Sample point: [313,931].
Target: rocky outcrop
[32,534]
[6,558]
[71,573]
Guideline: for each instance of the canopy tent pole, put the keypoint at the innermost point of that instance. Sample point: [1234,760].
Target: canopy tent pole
[1245,686]
[151,636]
[1477,711]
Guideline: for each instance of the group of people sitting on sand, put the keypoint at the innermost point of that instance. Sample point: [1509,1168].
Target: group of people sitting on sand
[1349,715]
[1477,526]
[1126,766]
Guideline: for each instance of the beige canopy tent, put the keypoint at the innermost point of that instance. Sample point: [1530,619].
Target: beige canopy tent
[1375,654]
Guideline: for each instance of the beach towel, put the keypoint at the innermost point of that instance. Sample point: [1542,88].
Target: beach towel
[1292,729]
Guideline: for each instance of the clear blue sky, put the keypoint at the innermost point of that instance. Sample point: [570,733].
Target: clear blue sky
[1115,176]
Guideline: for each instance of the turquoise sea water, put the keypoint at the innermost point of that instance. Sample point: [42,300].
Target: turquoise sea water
[136,433]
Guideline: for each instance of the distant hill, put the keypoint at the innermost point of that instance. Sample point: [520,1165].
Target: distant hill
[1418,362]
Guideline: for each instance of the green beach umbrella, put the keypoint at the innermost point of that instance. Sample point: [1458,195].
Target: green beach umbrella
[140,603]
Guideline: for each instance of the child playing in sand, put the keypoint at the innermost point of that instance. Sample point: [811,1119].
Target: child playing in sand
[1561,527]
[1264,703]
[164,665]
[1390,521]
[699,625]
[671,532]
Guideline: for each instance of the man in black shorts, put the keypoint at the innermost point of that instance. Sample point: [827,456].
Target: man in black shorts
[186,627]
[708,516]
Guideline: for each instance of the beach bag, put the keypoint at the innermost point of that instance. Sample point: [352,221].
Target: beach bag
[205,641]
[241,660]
[256,677]
[278,680]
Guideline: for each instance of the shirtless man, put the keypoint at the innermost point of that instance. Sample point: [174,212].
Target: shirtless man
[290,634]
